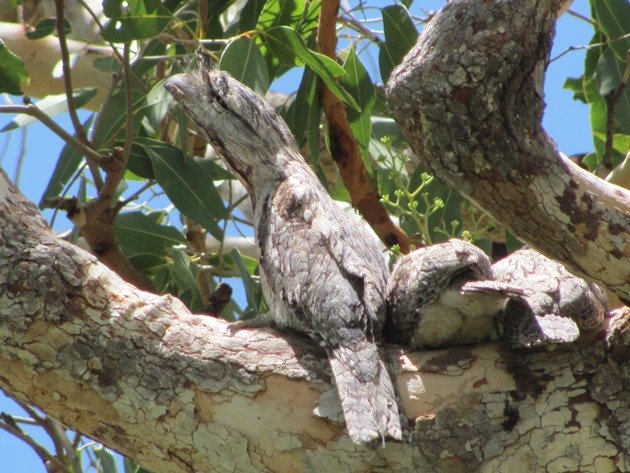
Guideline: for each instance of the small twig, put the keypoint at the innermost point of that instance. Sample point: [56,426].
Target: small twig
[36,112]
[588,46]
[611,103]
[203,17]
[57,436]
[30,411]
[352,23]
[581,17]
[147,185]
[67,79]
[43,454]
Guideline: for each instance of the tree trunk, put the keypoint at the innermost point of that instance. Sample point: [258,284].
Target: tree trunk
[178,392]
[469,98]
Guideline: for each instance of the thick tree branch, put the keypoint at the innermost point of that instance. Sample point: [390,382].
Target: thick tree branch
[179,393]
[469,99]
[344,148]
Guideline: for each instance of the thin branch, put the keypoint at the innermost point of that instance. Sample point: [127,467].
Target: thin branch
[67,79]
[147,185]
[44,454]
[582,17]
[352,23]
[36,112]
[344,148]
[588,46]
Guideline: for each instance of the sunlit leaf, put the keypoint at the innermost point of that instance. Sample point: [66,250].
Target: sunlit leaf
[138,234]
[13,74]
[46,27]
[67,165]
[186,184]
[251,292]
[134,19]
[244,61]
[280,13]
[306,126]
[358,83]
[250,14]
[185,278]
[288,44]
[400,36]
[613,17]
[107,460]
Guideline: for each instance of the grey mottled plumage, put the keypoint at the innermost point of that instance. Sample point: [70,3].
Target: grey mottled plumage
[321,273]
[443,295]
[556,307]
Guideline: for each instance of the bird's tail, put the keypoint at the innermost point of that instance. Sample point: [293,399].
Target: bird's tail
[367,395]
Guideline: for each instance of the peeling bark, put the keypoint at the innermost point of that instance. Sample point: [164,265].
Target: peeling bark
[179,392]
[469,99]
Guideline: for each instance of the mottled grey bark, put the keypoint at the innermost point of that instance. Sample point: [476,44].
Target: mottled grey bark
[179,393]
[469,99]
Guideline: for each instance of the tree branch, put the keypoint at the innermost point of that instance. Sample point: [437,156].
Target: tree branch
[178,392]
[344,148]
[36,112]
[469,99]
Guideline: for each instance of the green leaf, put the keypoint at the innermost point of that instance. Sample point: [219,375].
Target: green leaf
[280,13]
[608,77]
[184,277]
[132,467]
[13,74]
[140,235]
[610,70]
[214,172]
[158,103]
[359,85]
[112,119]
[248,283]
[306,99]
[186,184]
[139,162]
[577,87]
[46,27]
[106,459]
[106,64]
[134,19]
[250,14]
[52,105]
[288,44]
[598,125]
[67,165]
[621,145]
[244,61]
[400,36]
[613,16]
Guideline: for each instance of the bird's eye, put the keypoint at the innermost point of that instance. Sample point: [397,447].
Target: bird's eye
[217,97]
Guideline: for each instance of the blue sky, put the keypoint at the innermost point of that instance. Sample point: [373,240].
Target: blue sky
[565,120]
